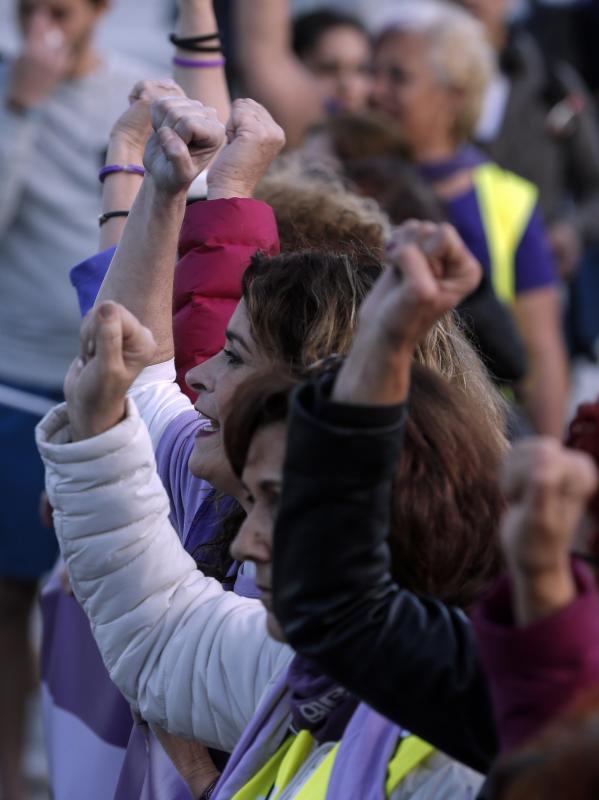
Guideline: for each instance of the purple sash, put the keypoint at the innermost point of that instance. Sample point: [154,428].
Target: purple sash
[367,744]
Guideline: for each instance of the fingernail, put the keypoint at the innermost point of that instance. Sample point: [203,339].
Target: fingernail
[106,311]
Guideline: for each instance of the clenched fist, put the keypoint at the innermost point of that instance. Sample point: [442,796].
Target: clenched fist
[186,137]
[430,271]
[548,487]
[253,140]
[114,348]
[133,128]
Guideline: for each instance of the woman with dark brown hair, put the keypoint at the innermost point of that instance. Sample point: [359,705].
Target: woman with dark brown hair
[201,666]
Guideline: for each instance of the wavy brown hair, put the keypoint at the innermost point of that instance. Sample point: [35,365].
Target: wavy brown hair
[446,500]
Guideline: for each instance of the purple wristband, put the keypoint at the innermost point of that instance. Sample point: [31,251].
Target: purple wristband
[190,63]
[110,169]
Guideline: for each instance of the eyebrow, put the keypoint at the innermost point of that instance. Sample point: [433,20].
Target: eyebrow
[231,336]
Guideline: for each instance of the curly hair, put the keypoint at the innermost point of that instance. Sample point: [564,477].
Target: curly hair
[315,209]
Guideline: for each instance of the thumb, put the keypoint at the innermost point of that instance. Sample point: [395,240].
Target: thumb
[109,336]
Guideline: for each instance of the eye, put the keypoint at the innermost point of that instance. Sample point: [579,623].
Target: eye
[273,498]
[232,358]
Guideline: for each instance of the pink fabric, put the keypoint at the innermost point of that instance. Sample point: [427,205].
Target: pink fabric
[536,672]
[217,241]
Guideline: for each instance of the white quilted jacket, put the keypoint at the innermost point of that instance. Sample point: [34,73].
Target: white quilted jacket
[191,657]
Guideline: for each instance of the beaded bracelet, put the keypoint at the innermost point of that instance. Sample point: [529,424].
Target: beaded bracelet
[188,63]
[103,218]
[110,169]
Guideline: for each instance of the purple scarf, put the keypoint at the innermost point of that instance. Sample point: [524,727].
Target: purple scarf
[467,157]
[300,697]
[318,704]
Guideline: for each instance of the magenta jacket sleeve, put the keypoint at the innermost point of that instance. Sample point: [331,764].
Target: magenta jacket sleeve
[217,241]
[537,671]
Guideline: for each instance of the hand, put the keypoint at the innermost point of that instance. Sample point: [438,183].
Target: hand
[115,348]
[547,487]
[44,62]
[253,141]
[431,272]
[132,129]
[191,759]
[567,248]
[186,137]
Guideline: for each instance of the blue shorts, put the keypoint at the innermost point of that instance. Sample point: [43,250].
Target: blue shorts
[27,548]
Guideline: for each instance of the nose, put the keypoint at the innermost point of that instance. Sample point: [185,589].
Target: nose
[201,377]
[251,542]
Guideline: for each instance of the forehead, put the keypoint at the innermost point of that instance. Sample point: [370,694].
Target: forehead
[340,37]
[240,322]
[401,46]
[266,454]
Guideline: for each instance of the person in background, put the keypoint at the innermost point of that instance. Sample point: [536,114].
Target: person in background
[538,630]
[58,99]
[322,65]
[539,121]
[336,49]
[431,69]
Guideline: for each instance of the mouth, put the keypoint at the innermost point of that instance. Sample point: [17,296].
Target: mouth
[207,425]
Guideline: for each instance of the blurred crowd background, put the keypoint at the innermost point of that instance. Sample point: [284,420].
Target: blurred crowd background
[566,34]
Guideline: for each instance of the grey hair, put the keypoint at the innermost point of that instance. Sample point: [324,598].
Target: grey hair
[460,54]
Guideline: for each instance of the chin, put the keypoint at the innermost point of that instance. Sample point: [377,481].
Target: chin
[214,468]
[274,629]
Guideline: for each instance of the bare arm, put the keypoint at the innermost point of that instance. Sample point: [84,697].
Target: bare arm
[141,274]
[272,73]
[128,139]
[186,136]
[538,317]
[197,18]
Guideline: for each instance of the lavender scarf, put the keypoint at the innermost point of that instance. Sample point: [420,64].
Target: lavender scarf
[298,699]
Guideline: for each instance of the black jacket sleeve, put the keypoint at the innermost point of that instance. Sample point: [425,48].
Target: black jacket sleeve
[413,660]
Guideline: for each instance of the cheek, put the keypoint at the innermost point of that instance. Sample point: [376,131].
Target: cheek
[226,384]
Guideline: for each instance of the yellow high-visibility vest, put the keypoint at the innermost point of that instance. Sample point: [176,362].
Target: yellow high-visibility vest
[506,202]
[278,772]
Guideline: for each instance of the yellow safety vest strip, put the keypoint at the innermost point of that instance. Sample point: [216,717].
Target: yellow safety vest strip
[411,752]
[506,202]
[278,772]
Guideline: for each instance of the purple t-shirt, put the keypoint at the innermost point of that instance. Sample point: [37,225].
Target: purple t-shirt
[196,512]
[193,514]
[534,268]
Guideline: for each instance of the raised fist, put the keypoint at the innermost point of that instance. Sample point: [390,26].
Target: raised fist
[253,140]
[431,270]
[114,348]
[186,137]
[134,126]
[547,487]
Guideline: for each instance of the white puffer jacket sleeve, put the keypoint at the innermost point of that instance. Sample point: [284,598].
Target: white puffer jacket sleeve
[191,657]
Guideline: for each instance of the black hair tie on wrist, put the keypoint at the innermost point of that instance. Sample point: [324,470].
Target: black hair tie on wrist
[197,44]
[103,218]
